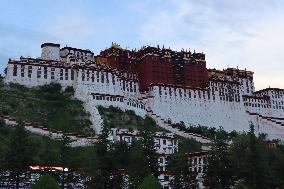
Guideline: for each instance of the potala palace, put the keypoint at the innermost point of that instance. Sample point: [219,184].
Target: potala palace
[166,85]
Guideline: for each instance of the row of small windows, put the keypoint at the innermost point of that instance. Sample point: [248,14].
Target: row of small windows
[229,98]
[278,92]
[130,87]
[164,142]
[263,106]
[278,95]
[108,98]
[92,75]
[223,96]
[136,105]
[221,84]
[64,74]
[257,105]
[104,78]
[275,102]
[43,71]
[118,99]
[254,100]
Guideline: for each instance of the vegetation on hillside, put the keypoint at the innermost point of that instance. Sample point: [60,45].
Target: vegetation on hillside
[114,117]
[20,149]
[47,105]
[150,182]
[248,162]
[99,163]
[238,160]
[46,182]
[209,132]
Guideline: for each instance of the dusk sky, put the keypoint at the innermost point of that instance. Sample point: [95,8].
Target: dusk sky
[247,34]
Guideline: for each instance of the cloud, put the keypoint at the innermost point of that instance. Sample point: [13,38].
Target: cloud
[232,33]
[18,41]
[241,33]
[71,28]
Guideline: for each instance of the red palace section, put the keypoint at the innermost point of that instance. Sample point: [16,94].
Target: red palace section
[161,66]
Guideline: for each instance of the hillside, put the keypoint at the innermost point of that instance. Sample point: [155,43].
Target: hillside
[48,106]
[58,110]
[116,118]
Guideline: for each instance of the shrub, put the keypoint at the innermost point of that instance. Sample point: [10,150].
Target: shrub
[2,123]
[150,182]
[130,112]
[240,185]
[69,89]
[51,88]
[45,182]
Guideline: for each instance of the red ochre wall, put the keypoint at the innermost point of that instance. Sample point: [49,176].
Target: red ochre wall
[153,69]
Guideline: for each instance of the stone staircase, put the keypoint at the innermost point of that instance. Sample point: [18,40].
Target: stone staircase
[273,126]
[276,120]
[162,123]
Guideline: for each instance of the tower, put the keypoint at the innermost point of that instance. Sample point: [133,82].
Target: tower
[50,51]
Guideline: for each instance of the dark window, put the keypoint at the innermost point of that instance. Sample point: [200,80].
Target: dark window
[39,72]
[166,178]
[52,73]
[66,74]
[98,76]
[102,77]
[107,81]
[15,70]
[93,76]
[61,74]
[83,75]
[30,69]
[88,75]
[22,70]
[45,72]
[113,81]
[72,75]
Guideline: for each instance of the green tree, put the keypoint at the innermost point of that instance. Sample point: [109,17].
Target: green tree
[218,172]
[104,170]
[148,143]
[257,173]
[188,145]
[18,157]
[276,162]
[240,185]
[179,167]
[64,158]
[50,154]
[89,161]
[138,165]
[45,182]
[150,182]
[253,162]
[120,155]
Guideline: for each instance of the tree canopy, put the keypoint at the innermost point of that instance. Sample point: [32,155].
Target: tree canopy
[150,182]
[45,182]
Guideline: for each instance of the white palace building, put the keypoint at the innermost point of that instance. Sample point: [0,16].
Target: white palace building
[166,85]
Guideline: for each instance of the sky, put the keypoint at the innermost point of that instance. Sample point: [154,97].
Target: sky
[244,34]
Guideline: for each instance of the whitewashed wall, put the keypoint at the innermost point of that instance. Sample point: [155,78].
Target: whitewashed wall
[221,104]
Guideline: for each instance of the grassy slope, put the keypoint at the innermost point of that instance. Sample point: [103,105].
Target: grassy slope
[116,118]
[45,106]
[59,111]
